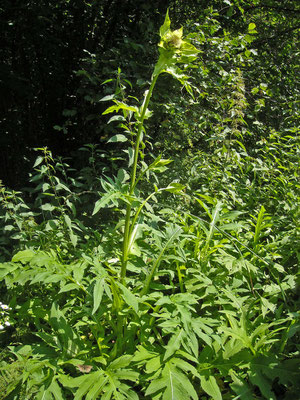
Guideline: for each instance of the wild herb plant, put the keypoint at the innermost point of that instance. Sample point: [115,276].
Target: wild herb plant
[168,304]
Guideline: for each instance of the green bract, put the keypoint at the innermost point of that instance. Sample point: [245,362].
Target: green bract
[173,49]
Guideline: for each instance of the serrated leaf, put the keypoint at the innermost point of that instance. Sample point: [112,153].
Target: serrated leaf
[117,138]
[174,343]
[174,187]
[173,384]
[38,161]
[155,386]
[210,386]
[105,199]
[69,382]
[120,362]
[116,118]
[89,382]
[108,97]
[264,384]
[47,207]
[264,370]
[241,388]
[68,287]
[73,238]
[9,228]
[54,278]
[55,390]
[98,293]
[68,221]
[7,268]
[23,256]
[129,297]
[120,106]
[159,164]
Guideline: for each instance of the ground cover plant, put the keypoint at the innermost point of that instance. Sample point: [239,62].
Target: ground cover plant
[175,287]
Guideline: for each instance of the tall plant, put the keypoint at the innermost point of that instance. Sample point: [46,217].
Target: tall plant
[173,50]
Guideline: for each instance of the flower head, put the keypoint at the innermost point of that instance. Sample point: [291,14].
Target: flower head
[172,39]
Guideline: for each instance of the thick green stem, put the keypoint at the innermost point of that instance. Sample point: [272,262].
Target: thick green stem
[133,176]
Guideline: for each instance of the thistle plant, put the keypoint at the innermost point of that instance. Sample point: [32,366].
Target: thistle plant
[173,50]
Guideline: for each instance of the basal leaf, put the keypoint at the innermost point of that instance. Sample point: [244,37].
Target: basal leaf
[264,370]
[98,293]
[210,386]
[120,362]
[174,343]
[172,384]
[264,384]
[55,390]
[241,388]
[88,383]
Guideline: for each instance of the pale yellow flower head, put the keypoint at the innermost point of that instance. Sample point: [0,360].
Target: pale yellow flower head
[173,39]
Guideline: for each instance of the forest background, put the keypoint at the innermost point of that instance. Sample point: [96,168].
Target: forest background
[182,282]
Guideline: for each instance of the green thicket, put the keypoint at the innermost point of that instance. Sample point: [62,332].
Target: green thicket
[152,253]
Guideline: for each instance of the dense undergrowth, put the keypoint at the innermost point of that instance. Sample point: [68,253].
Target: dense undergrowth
[159,280]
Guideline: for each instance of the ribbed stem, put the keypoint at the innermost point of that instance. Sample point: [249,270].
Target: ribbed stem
[133,176]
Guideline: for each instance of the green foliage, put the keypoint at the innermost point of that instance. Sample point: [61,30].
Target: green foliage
[183,287]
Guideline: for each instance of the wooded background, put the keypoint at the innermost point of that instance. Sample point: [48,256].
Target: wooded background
[56,55]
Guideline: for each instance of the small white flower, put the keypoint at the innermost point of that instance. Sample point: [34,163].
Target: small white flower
[7,323]
[4,307]
[1,327]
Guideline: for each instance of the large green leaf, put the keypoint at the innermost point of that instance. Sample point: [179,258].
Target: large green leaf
[106,199]
[104,384]
[98,293]
[129,297]
[174,343]
[264,370]
[210,386]
[117,138]
[172,382]
[23,256]
[67,337]
[241,388]
[52,392]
